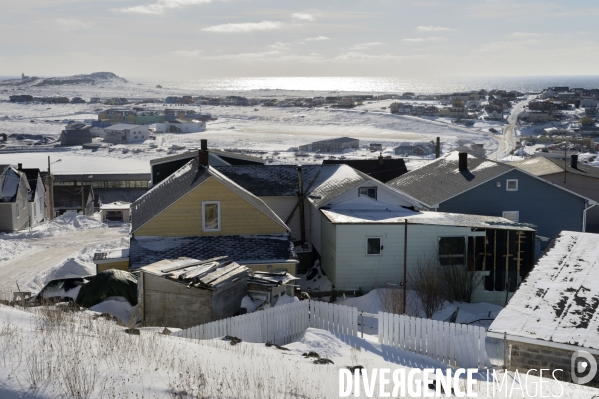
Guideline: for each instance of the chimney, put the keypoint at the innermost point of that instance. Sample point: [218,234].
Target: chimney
[463,164]
[438,148]
[203,153]
[573,161]
[381,160]
[20,166]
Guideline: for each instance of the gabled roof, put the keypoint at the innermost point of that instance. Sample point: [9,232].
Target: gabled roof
[542,166]
[282,180]
[441,179]
[559,300]
[32,175]
[75,134]
[389,169]
[241,249]
[10,180]
[177,185]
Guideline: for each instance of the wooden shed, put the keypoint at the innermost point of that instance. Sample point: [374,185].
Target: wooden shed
[187,292]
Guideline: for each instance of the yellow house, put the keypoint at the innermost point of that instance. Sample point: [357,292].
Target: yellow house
[199,213]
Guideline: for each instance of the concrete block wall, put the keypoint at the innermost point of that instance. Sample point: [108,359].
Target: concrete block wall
[525,356]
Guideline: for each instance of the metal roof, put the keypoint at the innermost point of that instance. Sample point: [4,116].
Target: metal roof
[542,166]
[122,126]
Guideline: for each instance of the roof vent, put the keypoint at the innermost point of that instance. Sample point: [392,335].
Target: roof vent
[463,163]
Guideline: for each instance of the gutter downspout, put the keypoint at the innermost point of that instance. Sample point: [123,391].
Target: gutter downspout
[584,217]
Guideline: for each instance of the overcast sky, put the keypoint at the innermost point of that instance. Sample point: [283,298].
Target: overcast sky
[219,38]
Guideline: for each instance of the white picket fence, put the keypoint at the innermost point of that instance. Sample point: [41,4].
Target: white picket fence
[280,325]
[457,345]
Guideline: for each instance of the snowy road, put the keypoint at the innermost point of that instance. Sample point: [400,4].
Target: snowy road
[507,142]
[29,268]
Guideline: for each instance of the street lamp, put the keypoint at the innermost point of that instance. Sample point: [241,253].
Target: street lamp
[51,184]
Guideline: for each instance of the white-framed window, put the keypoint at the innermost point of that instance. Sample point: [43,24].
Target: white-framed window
[452,250]
[514,216]
[211,216]
[374,245]
[368,192]
[511,185]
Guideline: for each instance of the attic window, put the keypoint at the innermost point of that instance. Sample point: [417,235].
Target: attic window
[211,216]
[511,185]
[368,192]
[452,251]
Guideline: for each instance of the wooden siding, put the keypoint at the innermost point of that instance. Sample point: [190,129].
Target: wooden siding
[268,267]
[227,302]
[354,269]
[121,265]
[283,206]
[549,208]
[328,255]
[184,217]
[171,304]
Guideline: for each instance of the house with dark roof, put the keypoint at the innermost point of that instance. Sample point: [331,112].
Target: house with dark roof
[381,169]
[76,136]
[14,199]
[36,196]
[70,199]
[555,312]
[463,183]
[199,212]
[331,145]
[572,175]
[363,246]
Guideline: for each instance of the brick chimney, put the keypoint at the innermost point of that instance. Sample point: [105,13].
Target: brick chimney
[463,163]
[203,153]
[574,161]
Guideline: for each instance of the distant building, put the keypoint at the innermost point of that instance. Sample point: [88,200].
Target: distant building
[21,98]
[125,133]
[180,126]
[381,169]
[407,149]
[77,100]
[76,136]
[332,145]
[375,147]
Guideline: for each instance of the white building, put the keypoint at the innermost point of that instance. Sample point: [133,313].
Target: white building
[180,126]
[125,133]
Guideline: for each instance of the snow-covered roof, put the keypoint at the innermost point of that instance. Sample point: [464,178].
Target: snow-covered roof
[365,210]
[115,206]
[122,126]
[111,255]
[559,300]
[10,180]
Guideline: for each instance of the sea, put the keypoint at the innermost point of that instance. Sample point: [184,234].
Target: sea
[371,84]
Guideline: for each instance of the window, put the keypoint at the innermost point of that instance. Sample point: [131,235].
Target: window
[211,216]
[368,192]
[514,216]
[373,246]
[511,185]
[452,251]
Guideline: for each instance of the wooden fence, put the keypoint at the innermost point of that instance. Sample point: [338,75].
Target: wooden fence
[457,345]
[281,324]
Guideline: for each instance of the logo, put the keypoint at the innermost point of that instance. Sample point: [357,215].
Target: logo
[584,367]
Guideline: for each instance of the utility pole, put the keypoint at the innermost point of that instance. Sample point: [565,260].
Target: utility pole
[405,266]
[565,159]
[82,197]
[51,191]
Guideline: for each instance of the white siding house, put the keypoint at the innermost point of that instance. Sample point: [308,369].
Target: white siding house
[363,240]
[125,133]
[37,206]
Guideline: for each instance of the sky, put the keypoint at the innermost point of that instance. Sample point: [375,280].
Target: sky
[243,38]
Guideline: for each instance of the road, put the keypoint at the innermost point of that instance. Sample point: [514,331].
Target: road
[507,141]
[49,252]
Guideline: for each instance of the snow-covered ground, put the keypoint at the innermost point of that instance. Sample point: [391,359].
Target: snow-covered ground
[62,248]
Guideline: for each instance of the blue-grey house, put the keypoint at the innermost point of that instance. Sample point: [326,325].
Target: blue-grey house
[463,183]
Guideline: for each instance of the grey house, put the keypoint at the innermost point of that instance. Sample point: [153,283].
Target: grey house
[14,192]
[463,183]
[76,136]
